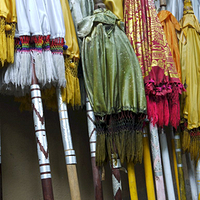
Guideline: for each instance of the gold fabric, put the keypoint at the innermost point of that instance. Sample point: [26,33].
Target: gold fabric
[70,94]
[189,46]
[116,6]
[170,25]
[8,19]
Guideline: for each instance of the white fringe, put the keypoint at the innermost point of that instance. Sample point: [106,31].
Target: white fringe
[60,69]
[51,75]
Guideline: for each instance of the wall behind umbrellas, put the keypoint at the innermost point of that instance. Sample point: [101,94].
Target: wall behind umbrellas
[20,168]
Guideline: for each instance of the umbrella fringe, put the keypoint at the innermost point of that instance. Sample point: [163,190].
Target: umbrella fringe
[10,43]
[3,49]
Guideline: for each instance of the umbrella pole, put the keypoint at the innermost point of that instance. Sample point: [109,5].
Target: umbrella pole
[92,139]
[148,167]
[116,178]
[132,181]
[167,166]
[175,163]
[180,166]
[1,195]
[191,174]
[41,139]
[70,157]
[198,178]
[157,163]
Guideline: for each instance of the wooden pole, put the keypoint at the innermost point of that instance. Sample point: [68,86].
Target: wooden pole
[132,181]
[167,166]
[175,163]
[148,167]
[92,139]
[191,174]
[41,139]
[70,157]
[157,163]
[180,166]
[116,178]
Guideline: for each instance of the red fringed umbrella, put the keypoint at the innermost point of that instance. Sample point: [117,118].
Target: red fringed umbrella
[162,84]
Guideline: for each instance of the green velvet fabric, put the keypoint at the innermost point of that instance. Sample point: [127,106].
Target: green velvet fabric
[112,74]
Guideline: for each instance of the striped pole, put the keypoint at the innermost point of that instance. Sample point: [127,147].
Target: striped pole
[167,166]
[92,139]
[191,174]
[148,167]
[157,163]
[180,166]
[70,157]
[41,139]
[116,178]
[132,181]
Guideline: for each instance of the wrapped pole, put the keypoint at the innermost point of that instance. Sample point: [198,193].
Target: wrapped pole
[180,166]
[40,132]
[148,167]
[167,166]
[191,174]
[198,178]
[70,157]
[132,181]
[157,163]
[92,139]
[116,178]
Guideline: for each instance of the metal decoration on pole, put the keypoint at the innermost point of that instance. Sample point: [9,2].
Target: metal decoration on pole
[40,133]
[70,157]
[92,139]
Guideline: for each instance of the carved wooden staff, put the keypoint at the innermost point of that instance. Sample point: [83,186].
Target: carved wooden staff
[40,132]
[70,157]
[157,163]
[148,167]
[180,166]
[92,139]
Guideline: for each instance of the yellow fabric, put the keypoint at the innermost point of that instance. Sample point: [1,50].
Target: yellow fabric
[189,47]
[170,25]
[71,94]
[132,181]
[8,19]
[116,6]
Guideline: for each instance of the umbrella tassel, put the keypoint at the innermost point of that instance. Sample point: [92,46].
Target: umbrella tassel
[180,166]
[148,167]
[70,156]
[157,164]
[40,132]
[92,139]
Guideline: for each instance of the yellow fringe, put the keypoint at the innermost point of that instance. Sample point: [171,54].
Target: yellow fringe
[10,34]
[194,149]
[71,94]
[3,48]
[185,141]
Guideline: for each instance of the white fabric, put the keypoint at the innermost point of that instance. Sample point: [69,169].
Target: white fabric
[22,20]
[43,17]
[33,17]
[54,12]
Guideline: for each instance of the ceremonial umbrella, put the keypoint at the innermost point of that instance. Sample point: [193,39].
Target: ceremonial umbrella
[189,40]
[8,19]
[110,70]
